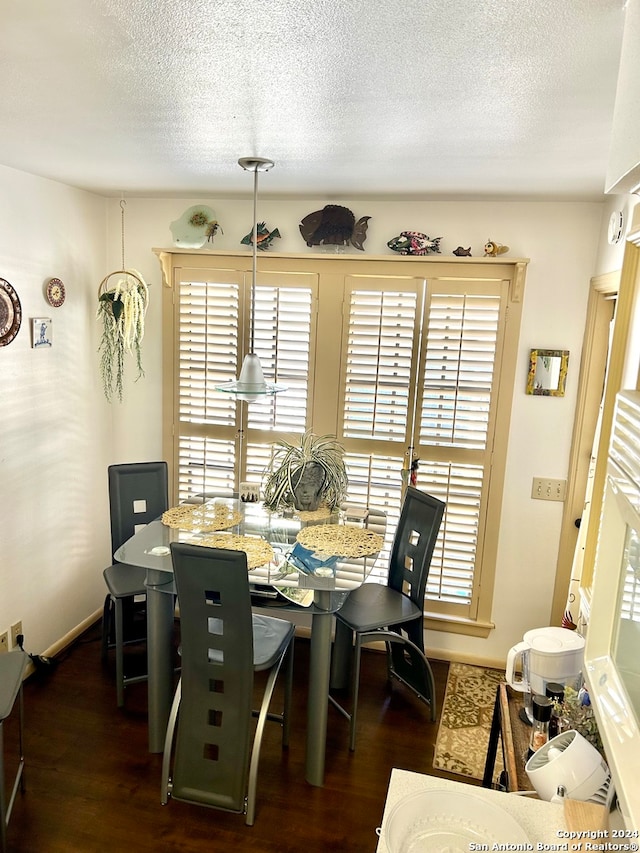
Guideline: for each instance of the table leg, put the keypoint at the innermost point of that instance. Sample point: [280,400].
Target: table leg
[319,667]
[160,612]
[341,656]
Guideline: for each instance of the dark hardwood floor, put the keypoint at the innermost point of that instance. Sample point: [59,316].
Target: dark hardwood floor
[91,784]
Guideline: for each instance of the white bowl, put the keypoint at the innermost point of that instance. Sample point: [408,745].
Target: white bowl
[441,820]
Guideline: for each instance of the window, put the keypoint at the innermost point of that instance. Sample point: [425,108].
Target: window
[400,360]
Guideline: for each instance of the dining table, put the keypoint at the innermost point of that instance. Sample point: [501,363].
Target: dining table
[318,586]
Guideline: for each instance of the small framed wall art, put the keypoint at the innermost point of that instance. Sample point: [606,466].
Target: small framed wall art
[42,332]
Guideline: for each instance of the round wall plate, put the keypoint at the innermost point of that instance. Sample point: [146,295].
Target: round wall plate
[54,292]
[616,227]
[10,313]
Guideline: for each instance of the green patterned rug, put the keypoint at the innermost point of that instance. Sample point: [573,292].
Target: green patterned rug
[463,736]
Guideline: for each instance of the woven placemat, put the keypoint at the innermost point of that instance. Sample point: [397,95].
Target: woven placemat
[340,540]
[208,516]
[258,550]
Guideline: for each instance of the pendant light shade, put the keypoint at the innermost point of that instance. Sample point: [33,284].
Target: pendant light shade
[251,384]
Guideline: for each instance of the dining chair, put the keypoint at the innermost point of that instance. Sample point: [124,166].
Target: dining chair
[138,493]
[212,759]
[392,613]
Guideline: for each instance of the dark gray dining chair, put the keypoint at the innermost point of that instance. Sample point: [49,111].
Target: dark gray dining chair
[138,494]
[392,613]
[12,668]
[212,759]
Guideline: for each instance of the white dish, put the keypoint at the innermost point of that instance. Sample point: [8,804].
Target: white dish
[443,821]
[159,551]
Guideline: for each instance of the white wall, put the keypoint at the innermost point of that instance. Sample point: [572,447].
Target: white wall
[55,427]
[562,242]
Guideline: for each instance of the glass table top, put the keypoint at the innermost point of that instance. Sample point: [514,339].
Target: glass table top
[150,546]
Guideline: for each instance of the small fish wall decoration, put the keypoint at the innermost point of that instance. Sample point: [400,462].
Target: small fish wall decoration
[334,225]
[492,249]
[461,252]
[414,243]
[264,237]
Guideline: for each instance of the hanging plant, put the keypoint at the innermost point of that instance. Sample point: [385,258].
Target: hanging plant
[306,475]
[122,311]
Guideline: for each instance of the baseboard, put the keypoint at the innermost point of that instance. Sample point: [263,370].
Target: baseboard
[301,631]
[472,660]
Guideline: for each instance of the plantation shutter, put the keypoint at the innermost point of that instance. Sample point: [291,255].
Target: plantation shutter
[461,353]
[213,337]
[445,419]
[380,351]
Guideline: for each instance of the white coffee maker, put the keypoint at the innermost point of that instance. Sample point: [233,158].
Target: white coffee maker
[545,655]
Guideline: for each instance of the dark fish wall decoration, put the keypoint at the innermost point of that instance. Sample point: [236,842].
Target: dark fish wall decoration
[334,225]
[414,243]
[461,252]
[264,237]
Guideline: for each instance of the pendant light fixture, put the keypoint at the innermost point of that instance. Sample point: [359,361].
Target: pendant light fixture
[251,384]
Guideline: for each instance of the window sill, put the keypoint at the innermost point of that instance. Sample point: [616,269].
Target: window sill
[457,625]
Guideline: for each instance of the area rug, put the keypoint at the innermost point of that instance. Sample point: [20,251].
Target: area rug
[463,736]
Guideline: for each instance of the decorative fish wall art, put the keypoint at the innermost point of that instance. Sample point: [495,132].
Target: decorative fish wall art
[264,237]
[492,249]
[197,225]
[334,225]
[414,243]
[461,252]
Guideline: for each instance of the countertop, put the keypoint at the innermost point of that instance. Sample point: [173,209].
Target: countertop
[542,821]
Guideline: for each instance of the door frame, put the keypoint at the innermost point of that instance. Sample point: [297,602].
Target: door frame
[591,382]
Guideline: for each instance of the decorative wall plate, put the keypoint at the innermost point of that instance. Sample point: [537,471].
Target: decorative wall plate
[616,227]
[55,292]
[10,313]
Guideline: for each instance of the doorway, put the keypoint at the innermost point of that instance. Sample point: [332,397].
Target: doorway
[593,367]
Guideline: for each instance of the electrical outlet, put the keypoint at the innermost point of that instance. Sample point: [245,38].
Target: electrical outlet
[548,489]
[16,630]
[4,642]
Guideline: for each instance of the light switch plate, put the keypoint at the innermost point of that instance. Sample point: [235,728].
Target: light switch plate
[548,489]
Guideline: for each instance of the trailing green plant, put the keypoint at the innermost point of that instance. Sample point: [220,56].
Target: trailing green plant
[122,311]
[285,472]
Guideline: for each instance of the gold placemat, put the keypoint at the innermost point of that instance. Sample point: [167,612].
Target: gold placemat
[340,540]
[208,516]
[313,515]
[257,549]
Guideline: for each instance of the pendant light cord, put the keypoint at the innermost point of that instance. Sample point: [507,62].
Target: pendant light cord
[254,274]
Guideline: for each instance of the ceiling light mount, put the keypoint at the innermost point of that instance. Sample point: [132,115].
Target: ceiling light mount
[256,164]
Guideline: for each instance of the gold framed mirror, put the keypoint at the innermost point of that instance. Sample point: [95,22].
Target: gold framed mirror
[548,372]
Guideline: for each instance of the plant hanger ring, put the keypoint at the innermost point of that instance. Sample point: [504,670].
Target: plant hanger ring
[134,274]
[122,309]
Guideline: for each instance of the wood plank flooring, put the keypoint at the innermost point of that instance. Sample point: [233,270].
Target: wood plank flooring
[91,784]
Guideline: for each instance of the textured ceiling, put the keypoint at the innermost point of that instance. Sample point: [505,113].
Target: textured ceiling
[419,98]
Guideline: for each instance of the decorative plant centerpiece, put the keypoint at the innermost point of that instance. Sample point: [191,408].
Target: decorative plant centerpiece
[122,310]
[307,475]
